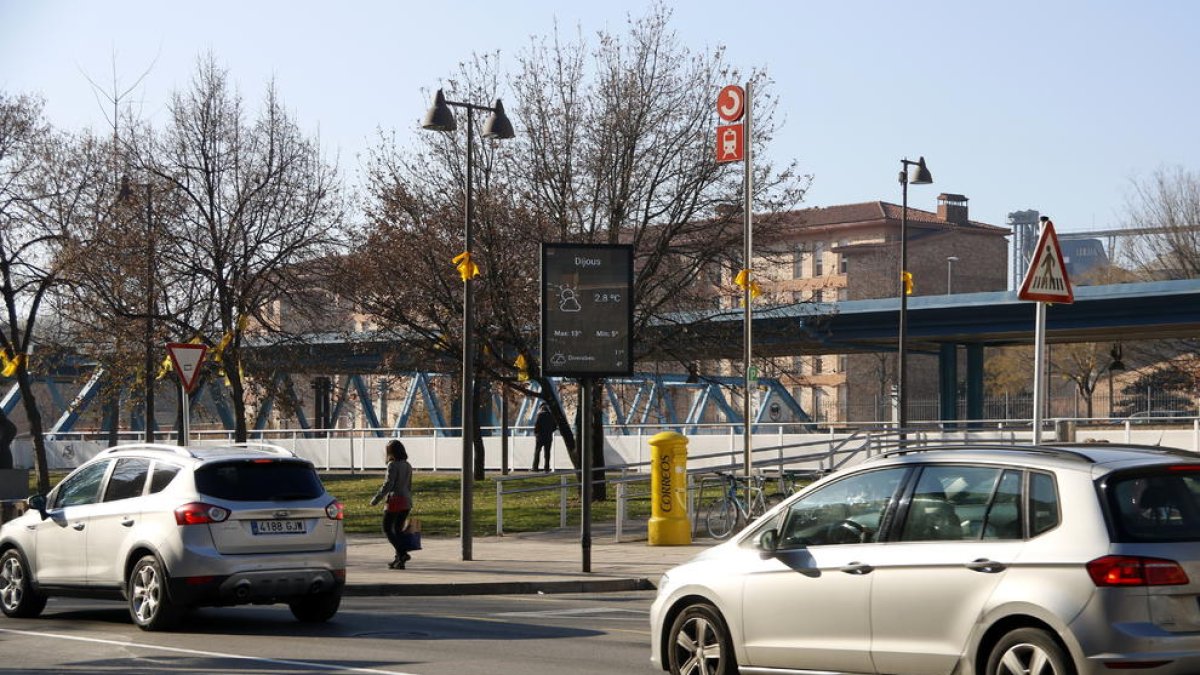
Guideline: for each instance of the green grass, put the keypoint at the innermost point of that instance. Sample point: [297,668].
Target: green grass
[437,498]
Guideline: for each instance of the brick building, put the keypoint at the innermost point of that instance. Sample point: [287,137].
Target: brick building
[852,252]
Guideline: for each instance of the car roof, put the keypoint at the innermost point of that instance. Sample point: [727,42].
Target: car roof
[201,453]
[1081,456]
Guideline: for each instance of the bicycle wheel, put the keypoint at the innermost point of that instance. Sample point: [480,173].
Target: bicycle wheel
[721,518]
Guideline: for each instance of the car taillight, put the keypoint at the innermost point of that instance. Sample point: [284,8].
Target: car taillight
[335,510]
[199,513]
[1122,570]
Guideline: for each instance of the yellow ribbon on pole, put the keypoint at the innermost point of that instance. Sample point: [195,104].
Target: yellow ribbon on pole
[164,368]
[10,364]
[908,282]
[743,281]
[522,368]
[466,267]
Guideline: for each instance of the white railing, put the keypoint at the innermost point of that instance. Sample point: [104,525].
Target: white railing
[436,449]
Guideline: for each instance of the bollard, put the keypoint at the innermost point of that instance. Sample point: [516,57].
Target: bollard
[669,524]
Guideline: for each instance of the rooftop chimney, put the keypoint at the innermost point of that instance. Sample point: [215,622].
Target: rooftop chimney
[952,208]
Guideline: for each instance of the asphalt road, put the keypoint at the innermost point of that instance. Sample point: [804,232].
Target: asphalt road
[526,634]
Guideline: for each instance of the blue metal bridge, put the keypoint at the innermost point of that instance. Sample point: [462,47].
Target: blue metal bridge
[937,325]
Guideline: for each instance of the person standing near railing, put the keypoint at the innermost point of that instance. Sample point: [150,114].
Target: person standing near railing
[543,434]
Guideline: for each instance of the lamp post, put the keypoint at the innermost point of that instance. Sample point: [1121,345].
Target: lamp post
[950,260]
[126,193]
[441,118]
[921,177]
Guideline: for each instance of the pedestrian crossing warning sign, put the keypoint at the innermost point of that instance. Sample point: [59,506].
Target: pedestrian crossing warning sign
[1046,280]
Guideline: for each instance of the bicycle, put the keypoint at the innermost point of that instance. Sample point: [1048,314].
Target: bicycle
[789,482]
[724,515]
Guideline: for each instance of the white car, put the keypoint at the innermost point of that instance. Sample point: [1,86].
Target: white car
[1040,560]
[167,528]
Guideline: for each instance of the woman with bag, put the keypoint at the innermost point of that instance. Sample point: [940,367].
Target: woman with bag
[397,489]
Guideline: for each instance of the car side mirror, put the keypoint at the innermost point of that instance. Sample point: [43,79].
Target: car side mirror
[38,502]
[768,542]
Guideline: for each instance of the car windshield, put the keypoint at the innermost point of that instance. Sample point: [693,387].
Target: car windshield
[259,480]
[1157,507]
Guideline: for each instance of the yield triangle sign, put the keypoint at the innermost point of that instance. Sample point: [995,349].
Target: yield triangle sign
[187,359]
[1046,279]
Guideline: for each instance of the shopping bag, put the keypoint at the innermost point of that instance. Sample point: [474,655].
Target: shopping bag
[412,525]
[410,541]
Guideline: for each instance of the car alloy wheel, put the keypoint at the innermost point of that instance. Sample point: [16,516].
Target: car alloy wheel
[149,604]
[17,596]
[700,644]
[1028,651]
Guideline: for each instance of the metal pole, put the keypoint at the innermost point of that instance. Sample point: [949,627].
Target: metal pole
[1039,370]
[468,358]
[504,430]
[185,436]
[748,337]
[148,405]
[585,496]
[901,346]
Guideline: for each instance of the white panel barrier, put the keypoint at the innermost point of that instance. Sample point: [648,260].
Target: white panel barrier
[365,451]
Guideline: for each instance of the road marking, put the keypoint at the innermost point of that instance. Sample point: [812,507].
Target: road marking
[197,652]
[578,611]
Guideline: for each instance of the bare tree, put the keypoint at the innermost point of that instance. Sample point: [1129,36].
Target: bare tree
[1168,204]
[250,213]
[614,145]
[45,199]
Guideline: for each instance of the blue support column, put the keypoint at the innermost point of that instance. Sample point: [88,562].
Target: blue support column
[975,382]
[948,382]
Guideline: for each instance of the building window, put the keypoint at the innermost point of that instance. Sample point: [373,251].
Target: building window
[843,361]
[818,295]
[798,262]
[818,264]
[842,261]
[817,403]
[843,294]
[817,365]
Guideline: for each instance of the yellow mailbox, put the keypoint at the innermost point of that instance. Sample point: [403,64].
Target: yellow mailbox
[669,524]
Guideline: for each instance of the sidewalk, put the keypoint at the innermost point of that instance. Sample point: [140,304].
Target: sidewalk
[530,562]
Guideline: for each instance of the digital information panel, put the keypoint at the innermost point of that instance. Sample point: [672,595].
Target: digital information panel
[587,310]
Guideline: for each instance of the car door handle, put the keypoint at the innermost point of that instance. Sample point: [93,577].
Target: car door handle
[857,568]
[78,526]
[127,521]
[985,565]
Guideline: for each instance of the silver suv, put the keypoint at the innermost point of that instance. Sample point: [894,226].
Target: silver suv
[167,528]
[1039,560]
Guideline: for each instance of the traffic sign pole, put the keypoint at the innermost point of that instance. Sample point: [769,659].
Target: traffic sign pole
[187,359]
[747,296]
[1039,371]
[1045,281]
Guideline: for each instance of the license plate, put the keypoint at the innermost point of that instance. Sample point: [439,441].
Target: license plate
[277,526]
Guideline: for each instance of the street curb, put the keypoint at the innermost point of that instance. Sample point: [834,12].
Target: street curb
[500,588]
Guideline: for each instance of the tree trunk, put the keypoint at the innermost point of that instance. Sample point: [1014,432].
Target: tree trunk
[35,429]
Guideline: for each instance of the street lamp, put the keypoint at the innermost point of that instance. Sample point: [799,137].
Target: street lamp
[950,260]
[920,177]
[441,118]
[126,193]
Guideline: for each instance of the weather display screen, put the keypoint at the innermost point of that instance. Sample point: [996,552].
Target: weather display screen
[587,310]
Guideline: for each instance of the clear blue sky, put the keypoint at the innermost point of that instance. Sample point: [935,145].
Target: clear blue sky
[1054,106]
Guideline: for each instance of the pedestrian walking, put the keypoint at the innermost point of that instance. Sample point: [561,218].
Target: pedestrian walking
[543,434]
[397,490]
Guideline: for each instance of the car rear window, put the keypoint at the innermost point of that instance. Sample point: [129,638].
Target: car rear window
[259,480]
[1158,506]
